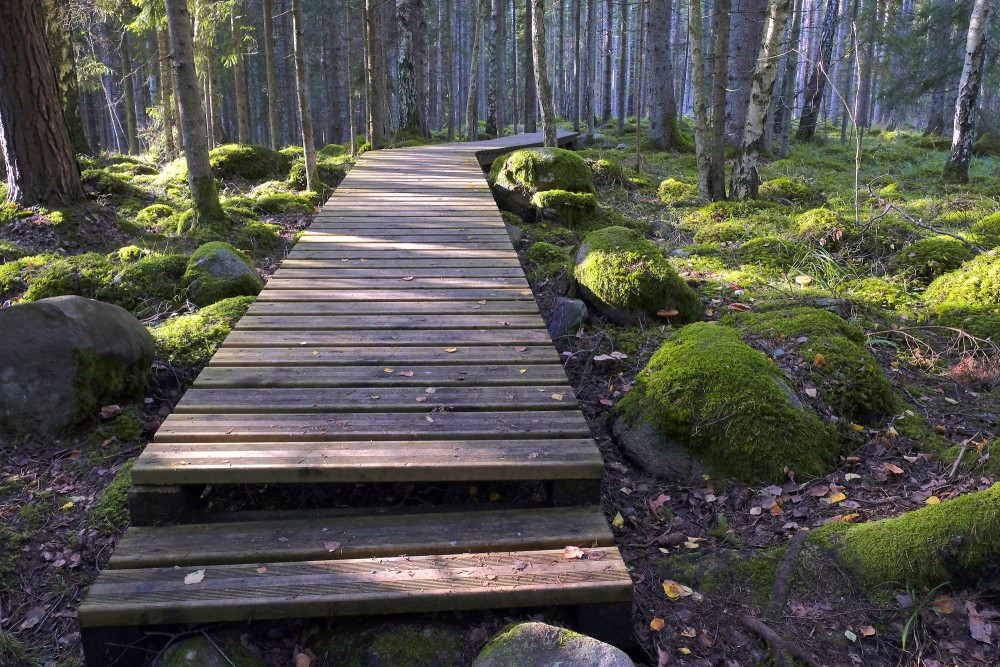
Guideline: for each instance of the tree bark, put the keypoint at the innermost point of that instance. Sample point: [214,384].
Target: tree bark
[530,83]
[590,66]
[472,104]
[166,86]
[749,18]
[964,133]
[622,81]
[746,171]
[663,129]
[783,117]
[447,66]
[270,68]
[240,81]
[375,77]
[720,39]
[702,149]
[410,114]
[575,104]
[64,63]
[494,54]
[609,18]
[867,59]
[37,150]
[204,191]
[541,73]
[813,97]
[313,183]
[128,83]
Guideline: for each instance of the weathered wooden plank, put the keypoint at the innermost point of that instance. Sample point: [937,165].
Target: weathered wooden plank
[367,338]
[415,308]
[412,254]
[397,263]
[382,246]
[349,235]
[351,270]
[152,596]
[379,322]
[376,376]
[402,356]
[404,283]
[360,426]
[395,295]
[395,399]
[353,463]
[295,539]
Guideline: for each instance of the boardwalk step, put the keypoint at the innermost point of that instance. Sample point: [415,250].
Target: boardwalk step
[308,539]
[377,376]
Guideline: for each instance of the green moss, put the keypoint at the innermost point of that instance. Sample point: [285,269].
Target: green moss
[625,271]
[10,252]
[551,233]
[15,652]
[879,293]
[100,380]
[15,275]
[730,404]
[8,212]
[86,275]
[285,203]
[332,150]
[987,145]
[110,514]
[823,227]
[930,257]
[722,232]
[158,217]
[608,173]
[724,211]
[415,647]
[330,174]
[191,340]
[986,232]
[129,253]
[10,556]
[153,277]
[676,193]
[259,238]
[126,427]
[103,183]
[546,261]
[251,162]
[532,170]
[980,321]
[785,189]
[934,142]
[571,207]
[953,542]
[975,284]
[848,377]
[770,252]
[210,289]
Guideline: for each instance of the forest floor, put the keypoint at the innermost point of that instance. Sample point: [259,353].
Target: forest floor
[62,501]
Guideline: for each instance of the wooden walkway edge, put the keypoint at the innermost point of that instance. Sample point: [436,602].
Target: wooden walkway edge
[398,342]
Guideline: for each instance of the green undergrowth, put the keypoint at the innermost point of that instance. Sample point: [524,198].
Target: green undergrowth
[192,339]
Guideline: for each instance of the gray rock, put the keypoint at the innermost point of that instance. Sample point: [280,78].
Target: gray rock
[661,229]
[218,271]
[566,317]
[223,650]
[620,147]
[515,233]
[614,314]
[64,357]
[541,645]
[658,455]
[681,252]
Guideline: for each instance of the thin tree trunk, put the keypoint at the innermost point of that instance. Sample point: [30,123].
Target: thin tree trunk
[377,128]
[590,66]
[128,83]
[749,18]
[541,73]
[448,89]
[530,84]
[166,86]
[817,79]
[270,68]
[964,133]
[622,82]
[746,170]
[204,192]
[575,105]
[60,44]
[418,24]
[471,106]
[410,121]
[494,54]
[720,38]
[787,103]
[663,128]
[702,148]
[313,183]
[240,80]
[609,17]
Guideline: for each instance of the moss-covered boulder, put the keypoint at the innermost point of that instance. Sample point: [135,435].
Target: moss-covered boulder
[707,391]
[980,321]
[822,227]
[832,353]
[157,217]
[16,274]
[220,649]
[956,541]
[64,357]
[251,162]
[330,174]
[219,271]
[976,283]
[677,193]
[542,645]
[628,279]
[722,232]
[986,232]
[571,208]
[101,183]
[191,340]
[285,203]
[928,258]
[546,261]
[519,176]
[786,190]
[151,278]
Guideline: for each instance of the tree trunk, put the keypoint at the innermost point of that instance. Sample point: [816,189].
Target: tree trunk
[37,150]
[541,72]
[270,68]
[447,66]
[128,83]
[166,87]
[867,58]
[575,104]
[410,115]
[720,39]
[941,53]
[590,66]
[813,97]
[204,192]
[787,103]
[313,183]
[622,82]
[530,84]
[471,106]
[494,54]
[749,18]
[609,18]
[746,172]
[663,129]
[64,63]
[964,133]
[240,80]
[698,88]
[375,77]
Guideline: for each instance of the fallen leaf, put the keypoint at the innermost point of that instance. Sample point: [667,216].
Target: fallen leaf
[110,411]
[689,632]
[944,605]
[858,427]
[519,565]
[667,313]
[520,348]
[522,370]
[837,497]
[315,353]
[657,624]
[811,392]
[451,350]
[408,278]
[195,577]
[406,374]
[980,628]
[951,400]
[739,307]
[756,511]
[851,476]
[67,507]
[302,660]
[850,635]
[867,630]
[572,552]
[685,650]
[332,546]
[676,591]
[819,360]
[388,370]
[618,521]
[932,500]
[892,468]
[430,390]
[557,397]
[261,570]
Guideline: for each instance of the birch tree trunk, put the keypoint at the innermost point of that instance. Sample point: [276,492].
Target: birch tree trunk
[204,192]
[313,183]
[964,133]
[702,149]
[816,86]
[746,171]
[541,72]
[270,69]
[663,128]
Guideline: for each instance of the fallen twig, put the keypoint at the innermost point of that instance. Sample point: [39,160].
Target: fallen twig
[889,206]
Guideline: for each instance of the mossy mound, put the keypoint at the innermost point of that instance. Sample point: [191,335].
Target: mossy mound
[930,257]
[191,340]
[934,142]
[87,275]
[570,207]
[879,292]
[546,261]
[285,203]
[153,277]
[722,232]
[218,271]
[251,162]
[516,177]
[390,644]
[956,541]
[158,217]
[976,283]
[770,252]
[747,210]
[258,238]
[333,150]
[822,227]
[785,189]
[330,174]
[847,376]
[677,193]
[15,275]
[103,183]
[986,232]
[729,404]
[628,279]
[608,173]
[980,321]
[129,253]
[987,145]
[10,252]
[110,514]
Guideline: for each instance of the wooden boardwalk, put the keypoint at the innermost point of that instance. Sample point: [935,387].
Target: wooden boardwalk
[398,342]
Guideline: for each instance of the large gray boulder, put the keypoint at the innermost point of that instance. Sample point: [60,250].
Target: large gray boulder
[541,645]
[64,357]
[218,271]
[661,456]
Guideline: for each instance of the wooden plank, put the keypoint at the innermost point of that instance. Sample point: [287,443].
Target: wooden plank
[350,235]
[412,254]
[382,246]
[450,338]
[349,270]
[361,322]
[405,283]
[394,399]
[293,539]
[352,462]
[376,376]
[376,586]
[402,356]
[395,295]
[361,426]
[412,263]
[456,307]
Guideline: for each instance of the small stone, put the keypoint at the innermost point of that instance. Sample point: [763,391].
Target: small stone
[542,645]
[566,317]
[620,147]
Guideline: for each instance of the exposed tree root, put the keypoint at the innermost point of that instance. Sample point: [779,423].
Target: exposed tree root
[779,646]
[783,579]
